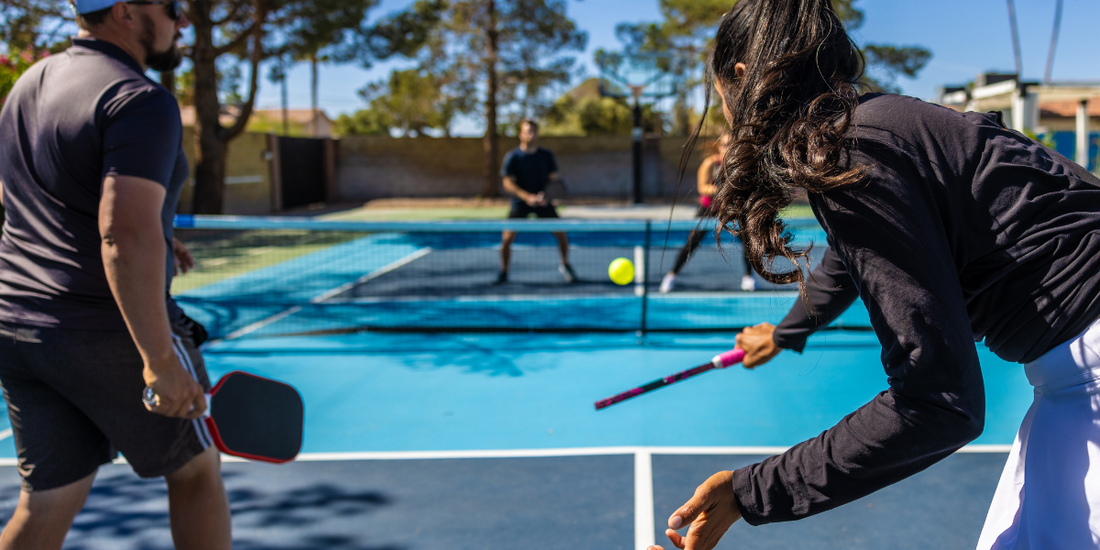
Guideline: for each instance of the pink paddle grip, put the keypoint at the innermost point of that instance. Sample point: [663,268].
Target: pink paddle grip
[705,201]
[731,357]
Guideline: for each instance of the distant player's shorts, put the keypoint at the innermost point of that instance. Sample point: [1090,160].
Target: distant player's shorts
[74,399]
[521,209]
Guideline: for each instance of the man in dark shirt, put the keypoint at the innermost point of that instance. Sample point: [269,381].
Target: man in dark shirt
[91,164]
[527,171]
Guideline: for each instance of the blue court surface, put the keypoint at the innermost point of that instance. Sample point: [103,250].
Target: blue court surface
[442,440]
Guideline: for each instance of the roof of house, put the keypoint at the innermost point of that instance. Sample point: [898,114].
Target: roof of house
[1068,108]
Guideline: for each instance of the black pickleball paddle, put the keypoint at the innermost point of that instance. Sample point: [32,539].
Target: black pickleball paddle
[253,417]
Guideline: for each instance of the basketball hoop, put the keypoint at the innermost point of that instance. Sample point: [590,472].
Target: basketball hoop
[638,75]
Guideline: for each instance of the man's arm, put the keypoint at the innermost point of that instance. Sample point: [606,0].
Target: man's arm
[704,178]
[133,249]
[511,187]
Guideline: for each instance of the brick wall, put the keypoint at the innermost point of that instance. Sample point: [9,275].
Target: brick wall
[247,175]
[370,167]
[381,167]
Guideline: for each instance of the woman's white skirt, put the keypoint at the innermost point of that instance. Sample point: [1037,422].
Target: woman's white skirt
[1049,493]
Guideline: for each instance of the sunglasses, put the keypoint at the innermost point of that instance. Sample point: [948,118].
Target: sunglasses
[175,10]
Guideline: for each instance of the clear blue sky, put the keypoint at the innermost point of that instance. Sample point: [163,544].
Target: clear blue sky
[965,36]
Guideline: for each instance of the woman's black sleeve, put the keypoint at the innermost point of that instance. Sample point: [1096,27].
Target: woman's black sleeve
[830,291]
[899,255]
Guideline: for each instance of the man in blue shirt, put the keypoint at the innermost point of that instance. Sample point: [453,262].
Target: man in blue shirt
[527,171]
[91,165]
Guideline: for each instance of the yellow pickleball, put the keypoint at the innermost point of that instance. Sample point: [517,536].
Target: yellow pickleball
[621,271]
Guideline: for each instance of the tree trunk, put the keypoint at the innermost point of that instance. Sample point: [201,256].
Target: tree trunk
[210,147]
[313,125]
[286,114]
[168,80]
[491,141]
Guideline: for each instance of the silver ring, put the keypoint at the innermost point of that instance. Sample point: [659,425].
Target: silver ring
[149,397]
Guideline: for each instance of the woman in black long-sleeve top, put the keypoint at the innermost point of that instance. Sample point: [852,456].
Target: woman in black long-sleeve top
[952,229]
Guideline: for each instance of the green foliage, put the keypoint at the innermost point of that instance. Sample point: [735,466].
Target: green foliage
[688,28]
[451,44]
[405,33]
[327,30]
[410,102]
[14,65]
[582,112]
[264,124]
[367,122]
[1045,139]
[35,24]
[894,61]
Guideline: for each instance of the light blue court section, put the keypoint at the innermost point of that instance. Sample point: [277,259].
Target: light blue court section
[372,393]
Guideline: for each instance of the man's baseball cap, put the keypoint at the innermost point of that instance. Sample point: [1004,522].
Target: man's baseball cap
[88,6]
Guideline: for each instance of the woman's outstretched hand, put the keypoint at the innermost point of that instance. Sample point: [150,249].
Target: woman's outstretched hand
[758,345]
[710,514]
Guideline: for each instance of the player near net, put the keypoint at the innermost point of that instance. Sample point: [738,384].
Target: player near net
[952,229]
[527,172]
[706,186]
[92,164]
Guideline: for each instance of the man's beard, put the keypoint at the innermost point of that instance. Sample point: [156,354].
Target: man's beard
[159,61]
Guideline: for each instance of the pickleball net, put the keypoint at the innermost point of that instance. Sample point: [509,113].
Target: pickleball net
[263,277]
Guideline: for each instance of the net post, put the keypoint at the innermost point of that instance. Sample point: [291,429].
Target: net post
[645,275]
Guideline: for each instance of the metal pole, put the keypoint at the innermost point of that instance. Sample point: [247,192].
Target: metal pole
[1083,133]
[1053,41]
[645,271]
[639,198]
[1015,40]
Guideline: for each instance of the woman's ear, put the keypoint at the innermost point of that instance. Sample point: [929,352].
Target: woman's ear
[740,69]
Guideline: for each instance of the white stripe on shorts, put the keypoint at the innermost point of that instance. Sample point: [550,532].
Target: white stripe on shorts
[185,359]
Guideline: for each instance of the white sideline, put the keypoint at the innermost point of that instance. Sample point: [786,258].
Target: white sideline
[541,453]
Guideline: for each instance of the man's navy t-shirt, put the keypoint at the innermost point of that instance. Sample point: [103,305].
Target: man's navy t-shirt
[531,171]
[70,121]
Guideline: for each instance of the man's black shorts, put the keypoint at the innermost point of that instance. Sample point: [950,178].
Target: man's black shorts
[74,399]
[521,209]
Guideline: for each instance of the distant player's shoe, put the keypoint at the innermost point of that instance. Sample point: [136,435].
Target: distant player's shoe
[748,284]
[567,272]
[501,278]
[668,283]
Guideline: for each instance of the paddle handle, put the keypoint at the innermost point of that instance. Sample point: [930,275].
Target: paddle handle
[149,397]
[719,361]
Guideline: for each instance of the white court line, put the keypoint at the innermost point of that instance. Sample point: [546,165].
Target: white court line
[372,275]
[644,524]
[328,294]
[5,434]
[550,453]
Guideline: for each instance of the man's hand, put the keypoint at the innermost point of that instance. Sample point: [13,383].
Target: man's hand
[710,514]
[184,261]
[538,199]
[178,394]
[758,345]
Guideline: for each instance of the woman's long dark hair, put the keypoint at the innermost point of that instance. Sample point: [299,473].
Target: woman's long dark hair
[789,117]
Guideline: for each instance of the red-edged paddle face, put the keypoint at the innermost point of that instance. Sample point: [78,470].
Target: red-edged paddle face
[256,418]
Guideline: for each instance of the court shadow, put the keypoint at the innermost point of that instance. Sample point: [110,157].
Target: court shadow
[124,511]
